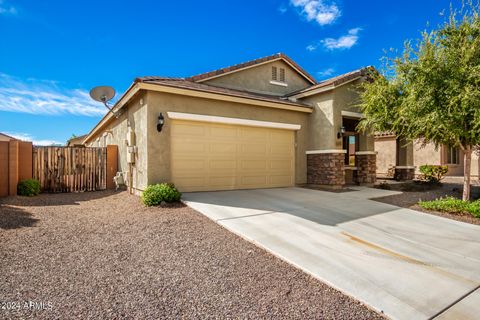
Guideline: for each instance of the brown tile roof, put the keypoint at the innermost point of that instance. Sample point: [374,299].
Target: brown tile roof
[384,134]
[336,81]
[77,139]
[187,84]
[250,63]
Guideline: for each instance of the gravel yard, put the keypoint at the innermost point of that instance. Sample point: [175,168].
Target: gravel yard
[104,255]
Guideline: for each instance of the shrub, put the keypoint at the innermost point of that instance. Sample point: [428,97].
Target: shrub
[29,188]
[453,205]
[156,193]
[433,174]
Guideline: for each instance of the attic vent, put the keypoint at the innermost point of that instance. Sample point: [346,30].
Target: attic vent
[274,73]
[282,75]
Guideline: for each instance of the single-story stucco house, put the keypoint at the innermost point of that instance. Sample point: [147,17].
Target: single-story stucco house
[408,157]
[76,141]
[259,124]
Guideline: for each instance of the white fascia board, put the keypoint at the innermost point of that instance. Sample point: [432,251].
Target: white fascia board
[234,121]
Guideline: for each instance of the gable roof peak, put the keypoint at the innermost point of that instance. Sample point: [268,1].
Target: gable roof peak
[237,67]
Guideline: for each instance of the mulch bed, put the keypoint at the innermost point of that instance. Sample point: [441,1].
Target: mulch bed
[103,255]
[412,195]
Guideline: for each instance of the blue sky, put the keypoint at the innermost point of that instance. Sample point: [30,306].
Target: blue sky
[53,52]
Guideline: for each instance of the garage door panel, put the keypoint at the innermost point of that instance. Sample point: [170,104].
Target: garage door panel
[281,165]
[223,132]
[217,164]
[253,134]
[190,183]
[253,149]
[225,157]
[253,181]
[224,182]
[280,136]
[188,146]
[280,180]
[189,164]
[223,148]
[253,165]
[183,128]
[284,150]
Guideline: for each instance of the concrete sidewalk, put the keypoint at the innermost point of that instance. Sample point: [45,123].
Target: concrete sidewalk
[407,264]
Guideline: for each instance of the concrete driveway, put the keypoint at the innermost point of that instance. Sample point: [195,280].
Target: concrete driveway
[407,264]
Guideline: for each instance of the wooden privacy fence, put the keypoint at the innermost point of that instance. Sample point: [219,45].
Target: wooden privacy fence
[70,169]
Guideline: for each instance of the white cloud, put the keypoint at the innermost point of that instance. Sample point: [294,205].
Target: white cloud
[36,96]
[282,9]
[311,47]
[324,12]
[344,42]
[7,9]
[28,137]
[326,73]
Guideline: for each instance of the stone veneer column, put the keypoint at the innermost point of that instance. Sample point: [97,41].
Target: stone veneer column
[366,162]
[326,167]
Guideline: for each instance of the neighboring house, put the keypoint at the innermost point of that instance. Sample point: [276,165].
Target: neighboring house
[260,124]
[6,137]
[391,154]
[76,142]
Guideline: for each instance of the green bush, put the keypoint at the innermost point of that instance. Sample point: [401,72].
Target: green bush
[453,205]
[156,193]
[29,187]
[433,174]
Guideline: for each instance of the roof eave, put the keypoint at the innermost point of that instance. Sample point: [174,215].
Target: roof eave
[318,90]
[139,85]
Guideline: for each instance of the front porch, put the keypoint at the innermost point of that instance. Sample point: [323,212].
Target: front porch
[354,163]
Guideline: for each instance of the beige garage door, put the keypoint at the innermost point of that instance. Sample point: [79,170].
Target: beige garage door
[209,156]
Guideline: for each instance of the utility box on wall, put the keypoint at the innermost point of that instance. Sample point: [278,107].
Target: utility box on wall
[131,148]
[131,151]
[130,137]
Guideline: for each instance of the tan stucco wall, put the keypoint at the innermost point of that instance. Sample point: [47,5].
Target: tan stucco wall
[257,79]
[159,143]
[116,133]
[425,155]
[386,154]
[326,119]
[323,123]
[428,154]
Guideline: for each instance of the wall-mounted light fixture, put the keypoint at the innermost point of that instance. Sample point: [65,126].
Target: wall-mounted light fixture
[160,122]
[341,132]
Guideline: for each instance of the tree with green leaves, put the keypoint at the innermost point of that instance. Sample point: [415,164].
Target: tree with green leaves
[432,91]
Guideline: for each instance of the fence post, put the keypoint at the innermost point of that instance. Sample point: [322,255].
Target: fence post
[4,186]
[112,164]
[25,160]
[13,167]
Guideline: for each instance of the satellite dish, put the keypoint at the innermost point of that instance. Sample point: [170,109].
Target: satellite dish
[104,94]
